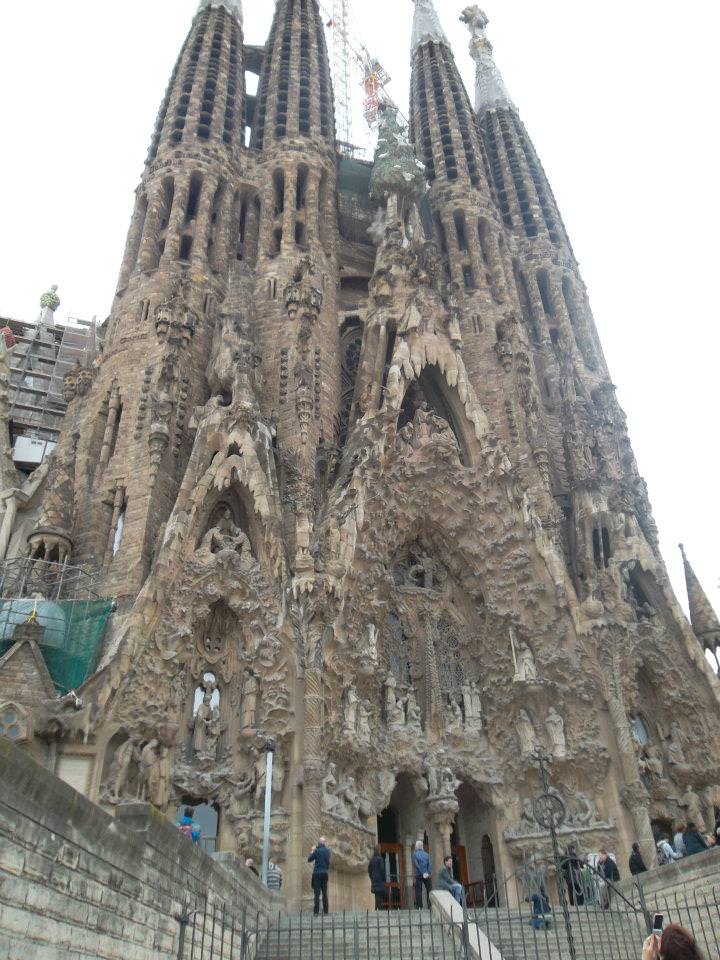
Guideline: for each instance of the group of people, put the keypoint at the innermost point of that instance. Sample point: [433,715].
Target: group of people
[422,877]
[588,884]
[687,842]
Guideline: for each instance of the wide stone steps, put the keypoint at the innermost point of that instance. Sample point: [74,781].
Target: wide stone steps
[367,936]
[598,934]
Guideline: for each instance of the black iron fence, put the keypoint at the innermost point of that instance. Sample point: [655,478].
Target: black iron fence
[517,924]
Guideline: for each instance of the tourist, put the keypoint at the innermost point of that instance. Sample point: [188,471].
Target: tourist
[378,878]
[572,871]
[274,876]
[675,943]
[187,826]
[447,882]
[423,871]
[609,874]
[679,839]
[541,910]
[694,840]
[250,865]
[637,864]
[320,856]
[665,852]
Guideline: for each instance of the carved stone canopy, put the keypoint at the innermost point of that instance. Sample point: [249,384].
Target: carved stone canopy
[48,543]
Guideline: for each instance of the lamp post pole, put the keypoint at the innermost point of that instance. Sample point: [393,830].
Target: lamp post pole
[270,750]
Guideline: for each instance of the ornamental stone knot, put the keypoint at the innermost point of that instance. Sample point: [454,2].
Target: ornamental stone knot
[50,300]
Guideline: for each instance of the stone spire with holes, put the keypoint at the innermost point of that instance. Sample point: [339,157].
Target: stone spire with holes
[704,620]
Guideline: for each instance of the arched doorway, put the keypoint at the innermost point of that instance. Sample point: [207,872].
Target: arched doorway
[400,825]
[473,846]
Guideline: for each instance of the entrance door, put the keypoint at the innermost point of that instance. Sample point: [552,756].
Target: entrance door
[395,873]
[460,865]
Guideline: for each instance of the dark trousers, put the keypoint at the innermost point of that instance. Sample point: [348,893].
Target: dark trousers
[419,882]
[319,885]
[379,900]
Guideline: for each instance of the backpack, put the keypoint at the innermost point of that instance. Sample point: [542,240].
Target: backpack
[663,858]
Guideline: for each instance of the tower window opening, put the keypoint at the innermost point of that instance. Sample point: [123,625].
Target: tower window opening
[186,244]
[301,188]
[193,197]
[279,191]
[543,282]
[277,236]
[272,288]
[459,219]
[606,546]
[300,234]
[597,549]
[440,234]
[468,278]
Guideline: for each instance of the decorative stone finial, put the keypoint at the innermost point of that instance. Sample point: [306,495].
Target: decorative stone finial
[490,89]
[426,25]
[233,6]
[50,300]
[703,618]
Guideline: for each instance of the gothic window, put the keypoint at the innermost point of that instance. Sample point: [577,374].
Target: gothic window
[279,191]
[543,282]
[13,723]
[639,730]
[350,346]
[193,197]
[398,652]
[301,187]
[447,656]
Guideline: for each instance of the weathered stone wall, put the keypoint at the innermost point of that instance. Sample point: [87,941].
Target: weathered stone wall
[77,883]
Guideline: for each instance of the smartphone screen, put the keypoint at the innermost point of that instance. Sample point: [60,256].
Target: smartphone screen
[658,921]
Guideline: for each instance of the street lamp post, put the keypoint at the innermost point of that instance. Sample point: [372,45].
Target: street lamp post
[270,751]
[550,813]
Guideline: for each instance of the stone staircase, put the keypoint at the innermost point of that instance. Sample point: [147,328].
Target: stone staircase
[598,934]
[395,935]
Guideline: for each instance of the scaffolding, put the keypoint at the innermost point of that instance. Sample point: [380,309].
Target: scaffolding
[69,617]
[44,353]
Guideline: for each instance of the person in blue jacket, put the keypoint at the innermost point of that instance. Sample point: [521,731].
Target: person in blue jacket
[423,873]
[320,856]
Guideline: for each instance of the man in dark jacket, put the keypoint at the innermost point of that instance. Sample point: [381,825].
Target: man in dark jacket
[378,878]
[637,864]
[446,881]
[694,841]
[320,856]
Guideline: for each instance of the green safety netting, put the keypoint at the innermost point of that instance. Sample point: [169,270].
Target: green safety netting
[72,635]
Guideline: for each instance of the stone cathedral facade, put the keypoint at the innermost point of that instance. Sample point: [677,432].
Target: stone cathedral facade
[351,465]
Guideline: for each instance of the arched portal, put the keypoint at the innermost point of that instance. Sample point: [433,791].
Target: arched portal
[400,825]
[473,846]
[430,392]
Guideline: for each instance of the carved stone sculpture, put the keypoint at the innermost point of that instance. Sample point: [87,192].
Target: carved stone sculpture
[454,717]
[394,711]
[526,668]
[250,694]
[472,705]
[526,734]
[555,726]
[119,774]
[206,727]
[350,711]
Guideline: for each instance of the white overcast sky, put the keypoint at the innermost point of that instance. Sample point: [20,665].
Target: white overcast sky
[620,98]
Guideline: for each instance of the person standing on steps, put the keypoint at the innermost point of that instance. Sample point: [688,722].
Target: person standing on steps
[423,874]
[320,856]
[378,878]
[637,864]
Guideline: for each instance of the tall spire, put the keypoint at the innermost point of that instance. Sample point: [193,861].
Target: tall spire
[705,623]
[234,6]
[426,25]
[490,89]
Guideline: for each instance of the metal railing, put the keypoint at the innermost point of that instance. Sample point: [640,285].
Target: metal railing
[517,926]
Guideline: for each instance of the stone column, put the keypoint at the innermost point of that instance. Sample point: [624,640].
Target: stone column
[148,256]
[226,230]
[132,245]
[288,218]
[314,765]
[202,221]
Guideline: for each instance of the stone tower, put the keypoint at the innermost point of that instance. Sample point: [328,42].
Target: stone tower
[352,463]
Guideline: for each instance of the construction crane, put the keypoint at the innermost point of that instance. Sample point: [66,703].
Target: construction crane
[348,53]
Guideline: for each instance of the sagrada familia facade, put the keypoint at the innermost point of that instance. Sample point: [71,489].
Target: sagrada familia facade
[351,466]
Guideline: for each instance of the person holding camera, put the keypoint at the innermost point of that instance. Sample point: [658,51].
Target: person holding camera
[320,856]
[674,943]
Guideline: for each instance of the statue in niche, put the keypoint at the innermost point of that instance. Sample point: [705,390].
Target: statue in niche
[206,724]
[393,706]
[441,781]
[422,571]
[690,802]
[350,702]
[454,717]
[330,800]
[224,534]
[555,726]
[472,705]
[422,424]
[250,695]
[526,734]
[676,747]
[154,779]
[364,733]
[119,774]
[413,713]
[526,667]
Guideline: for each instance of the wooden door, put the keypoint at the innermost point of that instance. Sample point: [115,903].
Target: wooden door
[395,898]
[460,866]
